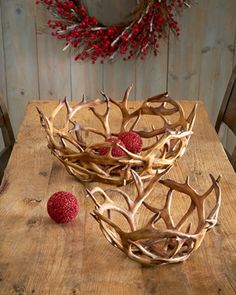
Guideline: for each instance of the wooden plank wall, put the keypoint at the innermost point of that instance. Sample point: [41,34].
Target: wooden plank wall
[196,66]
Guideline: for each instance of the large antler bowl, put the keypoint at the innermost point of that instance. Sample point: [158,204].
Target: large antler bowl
[153,233]
[76,143]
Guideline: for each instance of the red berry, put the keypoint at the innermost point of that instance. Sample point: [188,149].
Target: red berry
[116,151]
[62,207]
[132,141]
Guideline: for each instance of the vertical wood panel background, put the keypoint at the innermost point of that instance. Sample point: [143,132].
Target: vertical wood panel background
[195,66]
[20,56]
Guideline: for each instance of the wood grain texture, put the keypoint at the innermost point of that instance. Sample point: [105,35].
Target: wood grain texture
[217,53]
[54,69]
[229,138]
[185,54]
[151,73]
[86,79]
[3,86]
[197,67]
[3,90]
[118,75]
[19,37]
[38,256]
[234,49]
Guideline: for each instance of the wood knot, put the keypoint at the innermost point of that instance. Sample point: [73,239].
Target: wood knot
[33,222]
[76,290]
[18,10]
[18,288]
[43,173]
[205,49]
[31,201]
[1,277]
[151,286]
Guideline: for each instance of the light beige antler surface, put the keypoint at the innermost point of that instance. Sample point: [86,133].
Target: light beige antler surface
[76,144]
[152,243]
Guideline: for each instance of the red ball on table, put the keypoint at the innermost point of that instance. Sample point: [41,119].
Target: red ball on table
[62,207]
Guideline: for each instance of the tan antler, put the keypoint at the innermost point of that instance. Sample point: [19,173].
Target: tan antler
[83,160]
[151,244]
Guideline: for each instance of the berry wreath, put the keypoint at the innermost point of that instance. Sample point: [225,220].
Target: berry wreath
[151,22]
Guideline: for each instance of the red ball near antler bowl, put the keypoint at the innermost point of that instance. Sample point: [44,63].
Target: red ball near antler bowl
[62,207]
[103,140]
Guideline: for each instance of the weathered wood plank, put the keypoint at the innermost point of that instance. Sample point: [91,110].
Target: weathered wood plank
[234,49]
[2,73]
[118,75]
[185,54]
[3,86]
[86,79]
[230,139]
[217,53]
[151,73]
[53,64]
[18,23]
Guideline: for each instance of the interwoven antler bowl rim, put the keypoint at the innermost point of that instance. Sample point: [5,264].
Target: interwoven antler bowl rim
[151,244]
[83,160]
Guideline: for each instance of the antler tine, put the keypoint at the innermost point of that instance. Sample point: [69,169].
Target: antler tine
[56,110]
[157,97]
[69,109]
[214,213]
[138,182]
[192,116]
[122,105]
[90,194]
[83,99]
[77,128]
[135,122]
[155,179]
[187,180]
[143,193]
[214,185]
[180,187]
[41,115]
[127,93]
[104,118]
[44,120]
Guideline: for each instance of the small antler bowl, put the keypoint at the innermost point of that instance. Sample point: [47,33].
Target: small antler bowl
[76,143]
[151,233]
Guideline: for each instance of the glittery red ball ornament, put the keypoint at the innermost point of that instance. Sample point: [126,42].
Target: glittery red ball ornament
[62,207]
[132,141]
[116,151]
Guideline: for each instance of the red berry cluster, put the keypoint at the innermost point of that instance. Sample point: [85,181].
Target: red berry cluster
[96,41]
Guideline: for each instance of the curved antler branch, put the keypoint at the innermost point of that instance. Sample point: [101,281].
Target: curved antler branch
[77,145]
[151,243]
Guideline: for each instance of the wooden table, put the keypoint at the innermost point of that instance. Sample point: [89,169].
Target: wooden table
[38,256]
